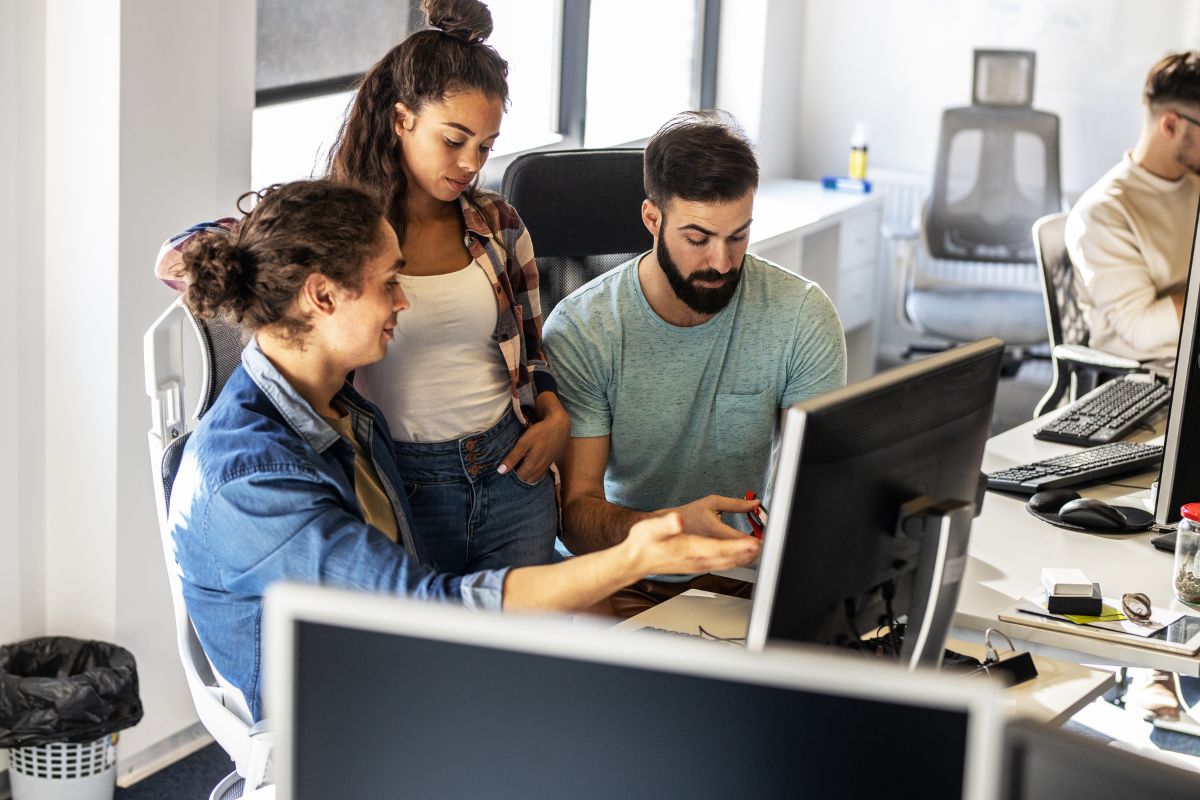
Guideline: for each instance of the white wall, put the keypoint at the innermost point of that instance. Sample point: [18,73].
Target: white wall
[757,66]
[129,120]
[22,565]
[897,64]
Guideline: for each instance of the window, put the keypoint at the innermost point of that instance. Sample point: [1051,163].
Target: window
[290,140]
[638,75]
[528,35]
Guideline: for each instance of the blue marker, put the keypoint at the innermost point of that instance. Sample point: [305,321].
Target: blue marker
[846,184]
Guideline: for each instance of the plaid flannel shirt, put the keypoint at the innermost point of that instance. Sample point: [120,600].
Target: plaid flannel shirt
[498,239]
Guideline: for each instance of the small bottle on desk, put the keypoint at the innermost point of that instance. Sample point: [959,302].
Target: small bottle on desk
[858,153]
[1187,556]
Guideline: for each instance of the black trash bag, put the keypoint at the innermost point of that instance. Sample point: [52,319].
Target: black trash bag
[59,689]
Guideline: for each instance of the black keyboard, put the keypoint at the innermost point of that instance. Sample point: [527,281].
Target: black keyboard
[1094,463]
[1110,412]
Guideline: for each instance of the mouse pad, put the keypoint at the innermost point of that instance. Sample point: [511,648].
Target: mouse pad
[1139,520]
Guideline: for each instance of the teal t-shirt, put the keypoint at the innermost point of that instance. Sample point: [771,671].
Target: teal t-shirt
[691,411]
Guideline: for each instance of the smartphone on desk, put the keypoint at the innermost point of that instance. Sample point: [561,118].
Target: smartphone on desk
[1164,542]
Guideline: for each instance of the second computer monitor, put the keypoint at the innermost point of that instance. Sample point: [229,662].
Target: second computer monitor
[874,490]
[1179,478]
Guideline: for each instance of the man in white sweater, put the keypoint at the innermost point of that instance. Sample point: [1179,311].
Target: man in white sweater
[1130,235]
[1130,240]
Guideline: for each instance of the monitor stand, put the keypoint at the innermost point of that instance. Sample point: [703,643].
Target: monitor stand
[943,529]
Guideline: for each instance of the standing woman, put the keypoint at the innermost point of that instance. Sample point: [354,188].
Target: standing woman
[471,402]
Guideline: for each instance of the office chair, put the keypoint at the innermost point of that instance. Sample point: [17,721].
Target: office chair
[187,361]
[997,170]
[583,211]
[1077,368]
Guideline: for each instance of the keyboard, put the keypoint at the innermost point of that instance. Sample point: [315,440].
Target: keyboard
[695,635]
[1110,412]
[1091,464]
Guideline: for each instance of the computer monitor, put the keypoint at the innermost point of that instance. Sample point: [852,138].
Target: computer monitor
[1045,763]
[371,696]
[874,491]
[1179,475]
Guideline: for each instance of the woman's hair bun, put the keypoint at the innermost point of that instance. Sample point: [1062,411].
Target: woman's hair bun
[468,20]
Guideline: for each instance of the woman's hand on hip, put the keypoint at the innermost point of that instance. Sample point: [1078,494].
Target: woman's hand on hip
[540,445]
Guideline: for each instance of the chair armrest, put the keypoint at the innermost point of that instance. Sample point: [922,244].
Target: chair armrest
[262,742]
[904,241]
[899,232]
[1086,356]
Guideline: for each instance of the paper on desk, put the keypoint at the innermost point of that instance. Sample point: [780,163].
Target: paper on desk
[1035,603]
[1107,614]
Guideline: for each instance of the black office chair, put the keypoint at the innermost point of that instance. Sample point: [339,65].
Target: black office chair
[997,171]
[1078,368]
[583,211]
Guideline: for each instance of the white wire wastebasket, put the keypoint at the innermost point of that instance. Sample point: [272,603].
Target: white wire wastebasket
[64,770]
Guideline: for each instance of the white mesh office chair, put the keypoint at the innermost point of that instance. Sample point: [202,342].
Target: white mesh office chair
[997,170]
[187,361]
[1078,368]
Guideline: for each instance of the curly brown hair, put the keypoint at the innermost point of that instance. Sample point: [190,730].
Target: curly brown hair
[252,275]
[1174,79]
[426,67]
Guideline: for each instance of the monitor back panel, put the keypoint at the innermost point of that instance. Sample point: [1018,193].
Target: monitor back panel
[385,715]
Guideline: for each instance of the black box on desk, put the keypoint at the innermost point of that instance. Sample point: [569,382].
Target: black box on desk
[1074,604]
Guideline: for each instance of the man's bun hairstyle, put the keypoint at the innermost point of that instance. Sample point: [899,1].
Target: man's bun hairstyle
[252,274]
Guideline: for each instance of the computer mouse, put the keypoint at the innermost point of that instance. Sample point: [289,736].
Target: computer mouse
[1051,500]
[1093,514]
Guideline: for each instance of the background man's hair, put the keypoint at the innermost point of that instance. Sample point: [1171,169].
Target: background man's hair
[702,156]
[1174,79]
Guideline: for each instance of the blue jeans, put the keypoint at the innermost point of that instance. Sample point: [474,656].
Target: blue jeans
[469,517]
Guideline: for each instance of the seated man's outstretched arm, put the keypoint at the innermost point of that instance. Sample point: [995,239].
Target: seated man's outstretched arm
[652,546]
[591,522]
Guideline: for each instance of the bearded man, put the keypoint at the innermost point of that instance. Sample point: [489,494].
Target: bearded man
[675,367]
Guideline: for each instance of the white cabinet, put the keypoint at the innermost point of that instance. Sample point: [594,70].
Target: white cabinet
[833,239]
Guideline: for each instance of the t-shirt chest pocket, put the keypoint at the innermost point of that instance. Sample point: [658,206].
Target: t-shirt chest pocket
[744,423]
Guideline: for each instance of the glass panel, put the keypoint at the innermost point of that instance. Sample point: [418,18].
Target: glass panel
[290,141]
[314,40]
[526,33]
[1031,167]
[641,67]
[962,171]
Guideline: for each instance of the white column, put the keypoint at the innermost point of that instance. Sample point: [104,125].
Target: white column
[187,98]
[147,129]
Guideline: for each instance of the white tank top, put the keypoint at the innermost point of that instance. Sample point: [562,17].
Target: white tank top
[444,377]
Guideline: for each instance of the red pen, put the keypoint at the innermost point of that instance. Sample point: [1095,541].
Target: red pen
[758,519]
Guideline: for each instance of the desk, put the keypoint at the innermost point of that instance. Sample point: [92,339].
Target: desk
[1009,547]
[1061,689]
[831,238]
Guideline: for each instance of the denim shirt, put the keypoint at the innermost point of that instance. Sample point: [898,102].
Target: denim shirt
[265,492]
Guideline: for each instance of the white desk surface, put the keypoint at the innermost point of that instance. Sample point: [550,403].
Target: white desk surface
[782,206]
[1009,547]
[1061,688]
